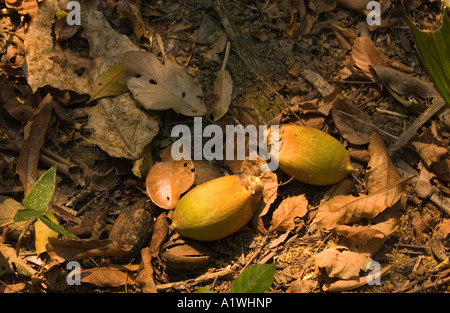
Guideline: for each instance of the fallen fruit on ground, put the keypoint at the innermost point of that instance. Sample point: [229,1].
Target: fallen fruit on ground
[217,208]
[312,156]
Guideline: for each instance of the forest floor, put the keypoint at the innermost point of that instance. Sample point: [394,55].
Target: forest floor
[316,63]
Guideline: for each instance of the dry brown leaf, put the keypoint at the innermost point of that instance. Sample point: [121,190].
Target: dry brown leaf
[165,86]
[350,209]
[341,263]
[353,124]
[223,87]
[144,277]
[120,128]
[384,189]
[362,156]
[9,208]
[9,262]
[345,36]
[302,286]
[430,145]
[106,277]
[445,227]
[81,249]
[365,54]
[269,193]
[305,110]
[387,223]
[405,84]
[358,6]
[132,11]
[34,134]
[442,169]
[382,173]
[167,180]
[24,7]
[345,285]
[160,231]
[359,234]
[289,208]
[423,187]
[49,64]
[421,223]
[321,6]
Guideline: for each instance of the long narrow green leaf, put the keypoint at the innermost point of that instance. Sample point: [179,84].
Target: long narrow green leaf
[255,279]
[434,51]
[42,191]
[57,228]
[27,214]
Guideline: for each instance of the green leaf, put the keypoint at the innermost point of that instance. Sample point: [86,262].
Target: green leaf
[256,279]
[204,290]
[434,51]
[57,228]
[42,191]
[27,214]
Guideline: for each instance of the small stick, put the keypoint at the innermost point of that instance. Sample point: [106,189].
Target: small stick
[227,55]
[411,131]
[190,282]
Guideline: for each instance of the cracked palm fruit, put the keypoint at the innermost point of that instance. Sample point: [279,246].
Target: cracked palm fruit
[217,208]
[312,156]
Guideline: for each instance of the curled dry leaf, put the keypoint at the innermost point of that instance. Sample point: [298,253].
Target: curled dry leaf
[344,285]
[165,86]
[144,277]
[350,209]
[341,263]
[63,249]
[185,255]
[306,110]
[370,239]
[160,231]
[384,189]
[167,180]
[423,187]
[270,189]
[289,208]
[430,146]
[382,173]
[359,234]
